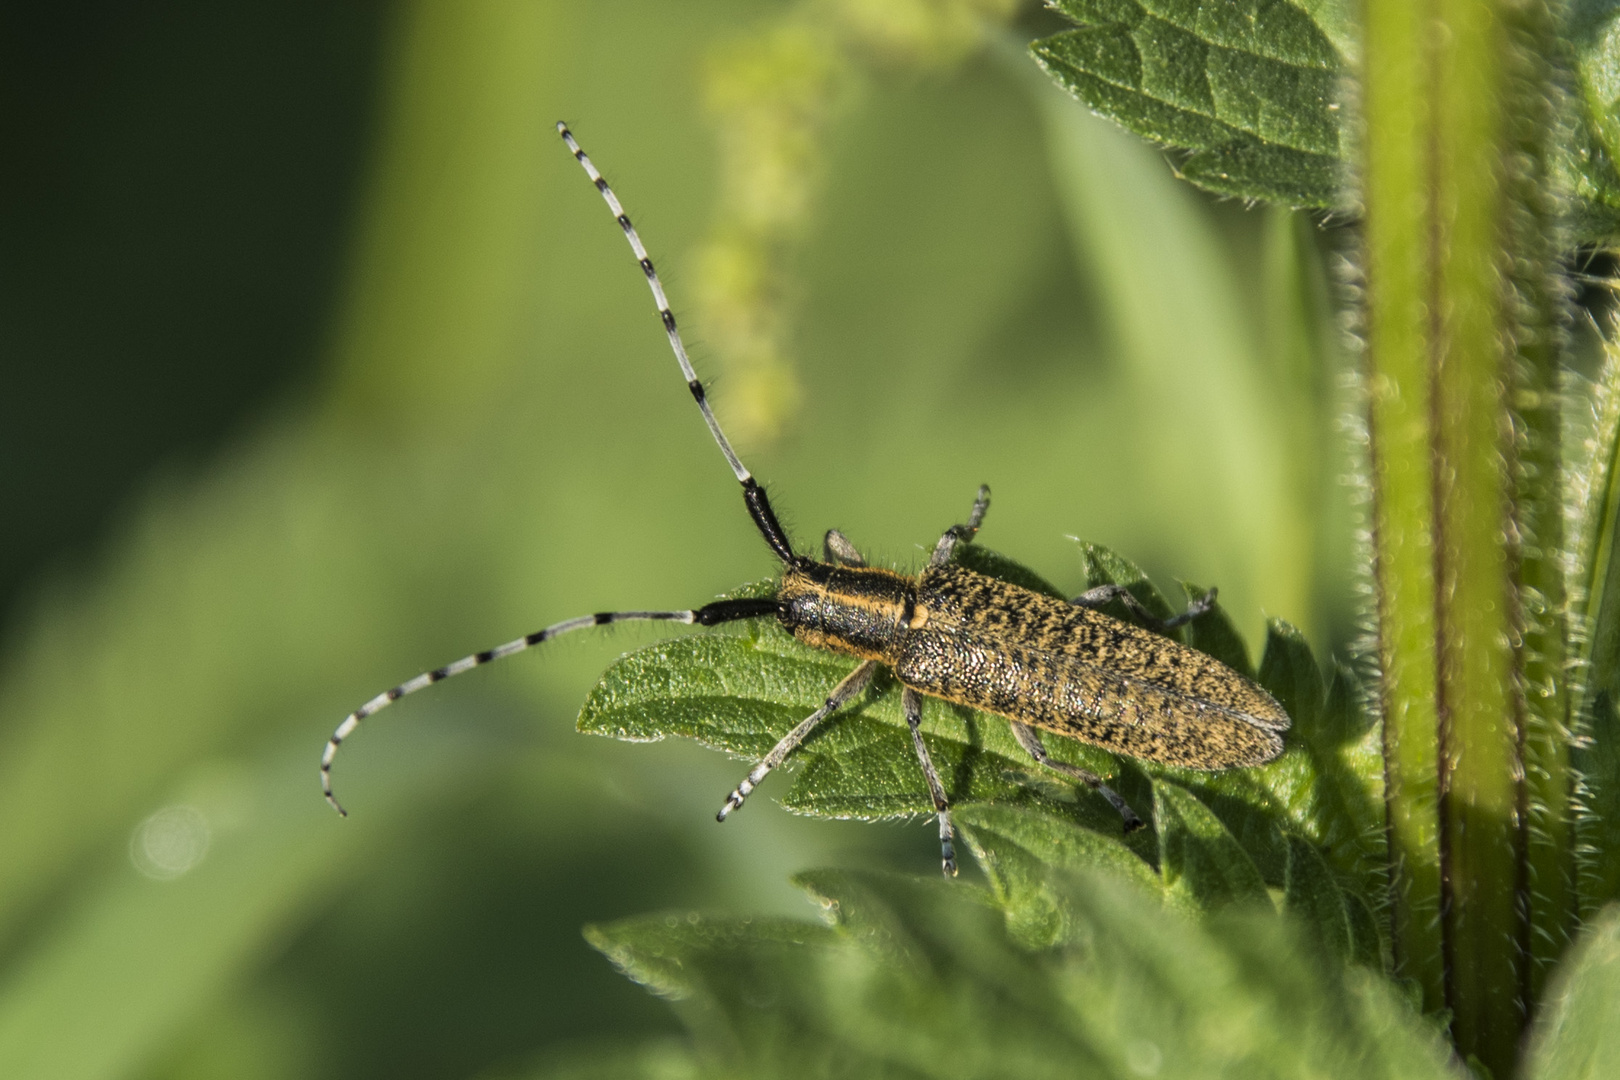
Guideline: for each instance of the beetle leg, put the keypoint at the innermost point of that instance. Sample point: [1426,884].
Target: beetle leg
[849,688]
[1099,596]
[911,704]
[838,549]
[1030,740]
[963,533]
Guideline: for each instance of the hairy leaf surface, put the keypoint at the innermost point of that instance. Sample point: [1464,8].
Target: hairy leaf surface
[922,978]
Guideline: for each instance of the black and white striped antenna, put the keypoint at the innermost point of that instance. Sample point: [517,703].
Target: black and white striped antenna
[759,508]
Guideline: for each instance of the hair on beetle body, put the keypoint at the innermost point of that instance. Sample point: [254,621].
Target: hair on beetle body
[948,632]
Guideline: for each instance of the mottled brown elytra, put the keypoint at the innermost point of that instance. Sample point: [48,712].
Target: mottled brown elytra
[951,633]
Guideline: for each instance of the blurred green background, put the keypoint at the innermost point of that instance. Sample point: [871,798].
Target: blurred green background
[325,365]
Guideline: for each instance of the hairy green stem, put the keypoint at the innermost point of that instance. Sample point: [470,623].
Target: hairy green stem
[1400,412]
[1463,334]
[1538,295]
[1596,755]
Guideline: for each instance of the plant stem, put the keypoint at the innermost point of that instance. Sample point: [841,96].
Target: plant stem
[1596,755]
[1394,192]
[1463,334]
[1539,298]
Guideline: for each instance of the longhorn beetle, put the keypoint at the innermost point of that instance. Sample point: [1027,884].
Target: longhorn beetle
[953,634]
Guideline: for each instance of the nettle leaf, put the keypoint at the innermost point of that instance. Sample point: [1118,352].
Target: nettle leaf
[1313,898]
[1588,168]
[962,999]
[1250,92]
[1203,865]
[653,1059]
[1594,34]
[1105,567]
[1214,633]
[1367,945]
[922,978]
[1588,171]
[1030,859]
[1251,89]
[1020,849]
[736,982]
[1575,1036]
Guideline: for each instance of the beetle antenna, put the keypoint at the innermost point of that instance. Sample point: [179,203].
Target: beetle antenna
[759,507]
[721,611]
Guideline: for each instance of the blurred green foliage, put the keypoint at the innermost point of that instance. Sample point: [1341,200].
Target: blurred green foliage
[1575,1034]
[997,288]
[916,979]
[173,199]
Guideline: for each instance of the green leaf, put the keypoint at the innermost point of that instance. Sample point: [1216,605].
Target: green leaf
[1588,171]
[741,985]
[920,978]
[1255,170]
[1593,31]
[1575,1036]
[729,691]
[933,985]
[1235,996]
[1252,87]
[1105,567]
[1337,20]
[914,978]
[655,1059]
[1203,865]
[1289,672]
[1367,945]
[1019,849]
[1213,633]
[1315,899]
[1331,731]
[907,921]
[654,950]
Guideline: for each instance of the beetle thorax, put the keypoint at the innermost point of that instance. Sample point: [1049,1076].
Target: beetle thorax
[856,610]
